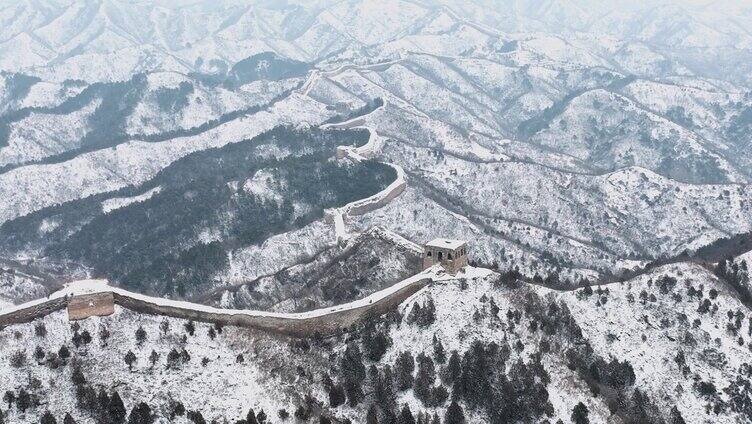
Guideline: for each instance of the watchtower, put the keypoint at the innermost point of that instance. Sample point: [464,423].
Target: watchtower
[451,254]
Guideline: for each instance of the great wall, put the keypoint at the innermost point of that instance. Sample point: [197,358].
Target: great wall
[87,298]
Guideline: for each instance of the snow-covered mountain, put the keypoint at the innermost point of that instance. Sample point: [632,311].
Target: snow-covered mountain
[287,155]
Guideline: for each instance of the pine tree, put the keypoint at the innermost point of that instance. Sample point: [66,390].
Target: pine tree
[173,359]
[336,396]
[580,414]
[453,369]
[435,419]
[354,372]
[212,333]
[261,417]
[196,417]
[39,353]
[140,335]
[177,409]
[130,358]
[141,414]
[104,333]
[23,401]
[48,418]
[438,350]
[406,416]
[64,352]
[375,344]
[676,416]
[250,417]
[153,358]
[190,327]
[103,402]
[68,419]
[382,387]
[424,379]
[403,369]
[77,376]
[454,414]
[371,416]
[474,385]
[9,397]
[115,409]
[164,326]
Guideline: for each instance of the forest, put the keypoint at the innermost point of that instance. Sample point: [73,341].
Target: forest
[160,245]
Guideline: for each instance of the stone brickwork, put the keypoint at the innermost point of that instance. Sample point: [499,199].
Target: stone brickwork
[103,304]
[91,305]
[451,254]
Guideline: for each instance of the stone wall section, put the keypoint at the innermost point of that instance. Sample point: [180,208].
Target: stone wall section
[91,305]
[102,304]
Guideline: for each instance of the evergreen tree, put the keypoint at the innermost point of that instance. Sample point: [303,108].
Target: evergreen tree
[473,385]
[173,359]
[68,419]
[39,353]
[104,333]
[23,401]
[354,372]
[375,344]
[382,387]
[371,416]
[153,358]
[424,379]
[196,417]
[63,352]
[250,417]
[453,369]
[103,401]
[77,376]
[164,326]
[406,416]
[261,417]
[580,414]
[403,369]
[676,416]
[212,333]
[336,396]
[48,418]
[141,414]
[454,414]
[86,337]
[140,335]
[177,409]
[435,419]
[129,359]
[438,350]
[115,409]
[190,327]
[9,397]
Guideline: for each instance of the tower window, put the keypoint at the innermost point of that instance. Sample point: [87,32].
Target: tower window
[440,256]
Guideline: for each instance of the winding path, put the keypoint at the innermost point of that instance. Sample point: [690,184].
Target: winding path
[358,154]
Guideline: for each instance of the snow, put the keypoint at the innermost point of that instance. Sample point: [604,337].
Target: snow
[114,203]
[92,286]
[30,188]
[446,243]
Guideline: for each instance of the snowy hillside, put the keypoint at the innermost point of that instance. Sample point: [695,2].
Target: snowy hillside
[288,156]
[660,357]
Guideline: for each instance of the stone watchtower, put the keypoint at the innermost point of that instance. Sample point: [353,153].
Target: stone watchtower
[451,254]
